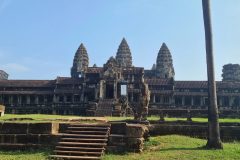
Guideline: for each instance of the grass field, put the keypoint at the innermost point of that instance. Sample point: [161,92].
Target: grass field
[172,147]
[49,118]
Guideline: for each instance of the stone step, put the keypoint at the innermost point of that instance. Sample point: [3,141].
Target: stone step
[87,128]
[81,144]
[80,153]
[83,140]
[83,136]
[62,157]
[87,132]
[88,149]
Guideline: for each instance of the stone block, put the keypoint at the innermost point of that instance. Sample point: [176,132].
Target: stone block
[135,130]
[14,128]
[43,128]
[118,128]
[116,140]
[135,144]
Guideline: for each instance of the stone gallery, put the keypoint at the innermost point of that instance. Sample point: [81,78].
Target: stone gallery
[117,88]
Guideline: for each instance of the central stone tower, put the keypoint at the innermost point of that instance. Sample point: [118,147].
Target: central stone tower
[164,67]
[80,62]
[124,57]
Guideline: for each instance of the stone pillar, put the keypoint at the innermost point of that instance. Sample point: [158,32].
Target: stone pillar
[132,97]
[64,98]
[101,89]
[183,100]
[154,98]
[220,101]
[201,101]
[28,99]
[36,99]
[192,101]
[161,99]
[231,100]
[115,90]
[11,99]
[54,98]
[19,99]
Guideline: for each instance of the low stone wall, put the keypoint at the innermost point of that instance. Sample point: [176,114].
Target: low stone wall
[28,135]
[28,128]
[126,137]
[228,131]
[2,110]
[184,112]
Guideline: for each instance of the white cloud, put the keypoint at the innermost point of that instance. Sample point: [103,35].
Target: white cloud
[14,67]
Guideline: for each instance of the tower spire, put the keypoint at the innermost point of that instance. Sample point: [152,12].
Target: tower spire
[124,56]
[80,61]
[164,65]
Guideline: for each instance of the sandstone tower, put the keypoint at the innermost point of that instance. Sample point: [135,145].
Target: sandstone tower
[80,62]
[124,57]
[164,64]
[231,72]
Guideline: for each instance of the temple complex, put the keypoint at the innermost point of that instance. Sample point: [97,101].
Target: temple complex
[100,91]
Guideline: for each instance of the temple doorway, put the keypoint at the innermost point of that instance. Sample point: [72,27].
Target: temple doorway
[109,91]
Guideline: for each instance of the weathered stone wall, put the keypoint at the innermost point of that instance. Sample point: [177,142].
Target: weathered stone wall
[126,137]
[229,131]
[28,135]
[183,113]
[29,128]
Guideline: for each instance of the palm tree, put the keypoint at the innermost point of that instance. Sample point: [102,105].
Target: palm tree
[214,140]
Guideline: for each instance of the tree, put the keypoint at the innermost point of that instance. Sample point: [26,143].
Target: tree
[214,141]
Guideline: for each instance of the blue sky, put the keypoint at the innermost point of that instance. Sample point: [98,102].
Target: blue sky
[38,39]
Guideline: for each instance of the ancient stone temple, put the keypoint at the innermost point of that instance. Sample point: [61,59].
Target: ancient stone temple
[3,75]
[116,88]
[231,72]
[164,67]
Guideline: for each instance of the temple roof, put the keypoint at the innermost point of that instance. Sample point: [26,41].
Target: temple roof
[27,83]
[124,56]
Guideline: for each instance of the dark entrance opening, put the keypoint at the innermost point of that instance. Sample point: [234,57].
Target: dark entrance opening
[109,91]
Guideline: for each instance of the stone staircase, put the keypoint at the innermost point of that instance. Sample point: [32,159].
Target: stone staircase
[82,142]
[104,108]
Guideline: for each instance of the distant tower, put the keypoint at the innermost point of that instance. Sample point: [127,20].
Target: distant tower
[164,67]
[124,57]
[3,75]
[231,72]
[80,62]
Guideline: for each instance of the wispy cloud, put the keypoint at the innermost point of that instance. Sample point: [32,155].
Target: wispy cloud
[14,67]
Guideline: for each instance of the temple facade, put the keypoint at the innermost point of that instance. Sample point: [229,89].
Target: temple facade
[97,91]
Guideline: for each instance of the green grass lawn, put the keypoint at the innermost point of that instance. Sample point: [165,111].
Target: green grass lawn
[49,118]
[25,155]
[176,147]
[172,147]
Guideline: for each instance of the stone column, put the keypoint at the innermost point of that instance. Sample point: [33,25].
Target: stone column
[19,99]
[28,99]
[201,101]
[132,97]
[36,99]
[220,101]
[231,100]
[11,99]
[64,98]
[183,101]
[192,101]
[115,90]
[154,98]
